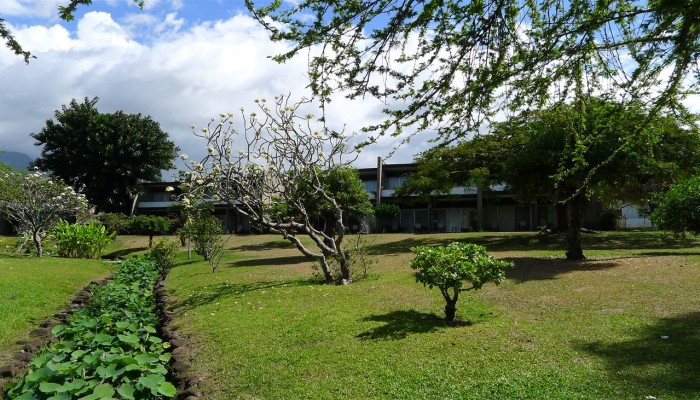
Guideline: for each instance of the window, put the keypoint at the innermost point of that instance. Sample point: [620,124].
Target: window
[394,181]
[370,186]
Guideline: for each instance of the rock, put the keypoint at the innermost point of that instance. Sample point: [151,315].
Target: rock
[189,393]
[8,371]
[179,353]
[46,324]
[32,345]
[181,342]
[24,357]
[180,367]
[40,332]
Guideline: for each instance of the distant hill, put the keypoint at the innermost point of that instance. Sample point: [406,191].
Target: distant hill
[16,160]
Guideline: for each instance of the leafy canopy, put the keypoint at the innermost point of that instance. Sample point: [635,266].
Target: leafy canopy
[678,209]
[450,65]
[104,155]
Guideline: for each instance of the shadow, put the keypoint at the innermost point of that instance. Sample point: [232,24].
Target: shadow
[257,262]
[535,269]
[273,244]
[661,358]
[123,253]
[537,241]
[399,324]
[216,293]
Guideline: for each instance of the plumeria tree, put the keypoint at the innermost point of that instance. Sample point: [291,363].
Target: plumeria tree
[278,172]
[35,203]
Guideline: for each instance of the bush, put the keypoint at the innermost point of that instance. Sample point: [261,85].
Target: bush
[114,222]
[447,268]
[679,209]
[81,240]
[149,225]
[208,243]
[163,253]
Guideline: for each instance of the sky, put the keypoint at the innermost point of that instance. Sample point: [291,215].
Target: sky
[179,61]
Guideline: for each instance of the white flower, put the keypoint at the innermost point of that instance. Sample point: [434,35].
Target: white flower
[210,149]
[184,157]
[216,197]
[169,189]
[199,181]
[193,127]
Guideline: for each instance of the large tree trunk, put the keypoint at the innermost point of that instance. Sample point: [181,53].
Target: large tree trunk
[575,208]
[37,242]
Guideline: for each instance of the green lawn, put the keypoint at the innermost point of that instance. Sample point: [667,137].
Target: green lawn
[264,327]
[32,289]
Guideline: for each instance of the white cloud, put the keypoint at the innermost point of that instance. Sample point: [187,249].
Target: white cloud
[179,78]
[30,8]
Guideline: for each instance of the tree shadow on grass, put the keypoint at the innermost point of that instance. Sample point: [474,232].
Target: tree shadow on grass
[214,294]
[401,323]
[123,253]
[536,269]
[256,262]
[273,244]
[663,358]
[536,241]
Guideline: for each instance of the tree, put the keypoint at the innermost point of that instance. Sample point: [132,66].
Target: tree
[678,209]
[449,267]
[149,225]
[208,243]
[450,65]
[284,176]
[104,155]
[569,153]
[35,203]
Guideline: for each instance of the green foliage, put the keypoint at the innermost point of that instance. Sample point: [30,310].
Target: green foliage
[678,209]
[205,233]
[81,240]
[114,222]
[385,210]
[163,253]
[104,155]
[149,225]
[108,348]
[449,267]
[428,56]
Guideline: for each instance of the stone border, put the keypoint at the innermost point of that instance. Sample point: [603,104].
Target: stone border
[184,381]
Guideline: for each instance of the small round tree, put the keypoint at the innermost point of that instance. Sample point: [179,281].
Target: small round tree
[149,225]
[679,208]
[449,267]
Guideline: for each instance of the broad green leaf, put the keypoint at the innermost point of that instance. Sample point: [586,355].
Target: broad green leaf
[167,389]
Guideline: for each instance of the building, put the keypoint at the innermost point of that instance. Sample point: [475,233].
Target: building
[457,211]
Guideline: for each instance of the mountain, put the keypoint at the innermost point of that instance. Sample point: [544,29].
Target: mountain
[15,159]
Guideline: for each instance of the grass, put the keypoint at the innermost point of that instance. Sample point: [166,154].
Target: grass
[32,289]
[264,327]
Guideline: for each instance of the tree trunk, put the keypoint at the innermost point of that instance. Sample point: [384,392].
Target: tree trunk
[327,274]
[345,266]
[37,243]
[575,208]
[150,241]
[450,305]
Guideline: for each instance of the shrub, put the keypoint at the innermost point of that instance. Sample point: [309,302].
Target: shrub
[114,222]
[81,240]
[163,253]
[448,267]
[679,209]
[149,225]
[208,243]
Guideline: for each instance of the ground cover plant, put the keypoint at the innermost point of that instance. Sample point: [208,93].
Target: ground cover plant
[33,289]
[622,325]
[107,349]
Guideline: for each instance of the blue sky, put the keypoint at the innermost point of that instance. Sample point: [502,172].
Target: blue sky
[180,61]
